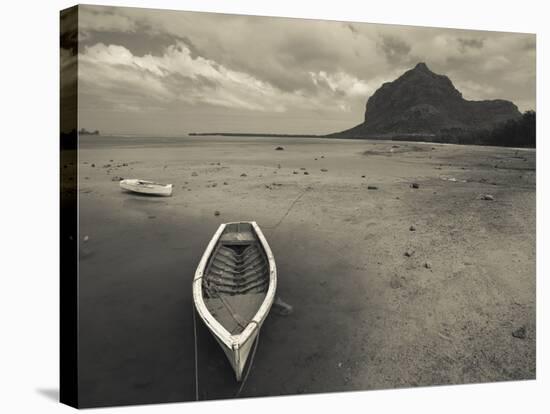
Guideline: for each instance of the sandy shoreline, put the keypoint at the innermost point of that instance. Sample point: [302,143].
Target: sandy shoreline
[365,315]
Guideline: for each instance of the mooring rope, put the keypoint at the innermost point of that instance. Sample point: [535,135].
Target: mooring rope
[289,208]
[236,317]
[196,354]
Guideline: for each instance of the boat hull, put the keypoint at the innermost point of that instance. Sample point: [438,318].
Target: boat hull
[237,346]
[146,187]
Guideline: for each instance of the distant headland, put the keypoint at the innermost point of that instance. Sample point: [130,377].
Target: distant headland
[247,134]
[421,105]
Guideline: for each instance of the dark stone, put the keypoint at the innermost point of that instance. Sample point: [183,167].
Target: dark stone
[372,187]
[409,252]
[520,333]
[415,185]
[279,149]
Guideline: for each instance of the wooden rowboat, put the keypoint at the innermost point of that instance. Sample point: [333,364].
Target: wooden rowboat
[146,187]
[234,288]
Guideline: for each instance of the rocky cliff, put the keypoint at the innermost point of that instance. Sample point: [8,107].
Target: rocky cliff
[421,102]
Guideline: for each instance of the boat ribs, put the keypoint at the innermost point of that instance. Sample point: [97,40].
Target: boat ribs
[236,269]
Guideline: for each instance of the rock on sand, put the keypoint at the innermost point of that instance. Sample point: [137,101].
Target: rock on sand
[519,333]
[282,308]
[409,252]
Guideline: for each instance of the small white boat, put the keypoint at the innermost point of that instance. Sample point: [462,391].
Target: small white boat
[146,187]
[234,288]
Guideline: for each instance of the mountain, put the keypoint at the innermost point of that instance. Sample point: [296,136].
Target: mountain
[421,102]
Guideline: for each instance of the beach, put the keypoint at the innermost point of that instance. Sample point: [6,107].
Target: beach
[391,285]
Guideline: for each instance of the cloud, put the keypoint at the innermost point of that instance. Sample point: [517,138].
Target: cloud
[341,83]
[495,63]
[352,28]
[469,43]
[277,50]
[93,18]
[68,67]
[474,91]
[113,73]
[530,44]
[394,49]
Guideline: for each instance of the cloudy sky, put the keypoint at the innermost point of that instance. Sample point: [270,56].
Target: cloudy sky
[158,72]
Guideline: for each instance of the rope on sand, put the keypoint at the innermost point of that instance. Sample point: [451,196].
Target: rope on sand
[290,208]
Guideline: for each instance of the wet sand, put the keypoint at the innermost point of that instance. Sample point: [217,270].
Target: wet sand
[365,316]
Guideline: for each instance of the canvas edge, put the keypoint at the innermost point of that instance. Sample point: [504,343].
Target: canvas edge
[68,213]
